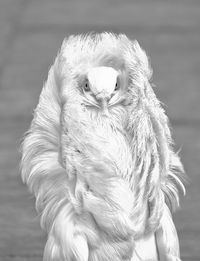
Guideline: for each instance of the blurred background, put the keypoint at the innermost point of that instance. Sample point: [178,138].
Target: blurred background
[31,32]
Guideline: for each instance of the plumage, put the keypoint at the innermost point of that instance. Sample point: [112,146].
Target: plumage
[98,156]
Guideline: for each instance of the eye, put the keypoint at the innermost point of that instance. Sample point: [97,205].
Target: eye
[117,86]
[86,86]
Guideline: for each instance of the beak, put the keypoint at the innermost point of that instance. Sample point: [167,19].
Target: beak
[104,105]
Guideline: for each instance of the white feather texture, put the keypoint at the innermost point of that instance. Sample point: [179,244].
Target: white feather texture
[98,156]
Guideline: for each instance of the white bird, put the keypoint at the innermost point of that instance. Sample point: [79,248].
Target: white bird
[98,156]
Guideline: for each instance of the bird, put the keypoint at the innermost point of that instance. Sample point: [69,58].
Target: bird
[99,157]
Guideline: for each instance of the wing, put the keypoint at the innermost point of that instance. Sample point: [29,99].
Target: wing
[46,176]
[167,238]
[157,166]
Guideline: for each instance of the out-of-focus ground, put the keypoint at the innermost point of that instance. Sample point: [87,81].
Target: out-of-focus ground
[31,31]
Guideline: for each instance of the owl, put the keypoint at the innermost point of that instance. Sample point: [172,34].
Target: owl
[98,156]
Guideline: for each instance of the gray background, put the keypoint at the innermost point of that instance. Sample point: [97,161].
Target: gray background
[31,31]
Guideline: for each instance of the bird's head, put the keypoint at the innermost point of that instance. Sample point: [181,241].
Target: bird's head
[102,87]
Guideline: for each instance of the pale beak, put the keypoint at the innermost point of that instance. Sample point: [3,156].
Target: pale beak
[104,105]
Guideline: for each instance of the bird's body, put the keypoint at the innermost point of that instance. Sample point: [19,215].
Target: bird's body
[98,156]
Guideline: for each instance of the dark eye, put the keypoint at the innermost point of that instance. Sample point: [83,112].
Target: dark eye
[86,86]
[117,86]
